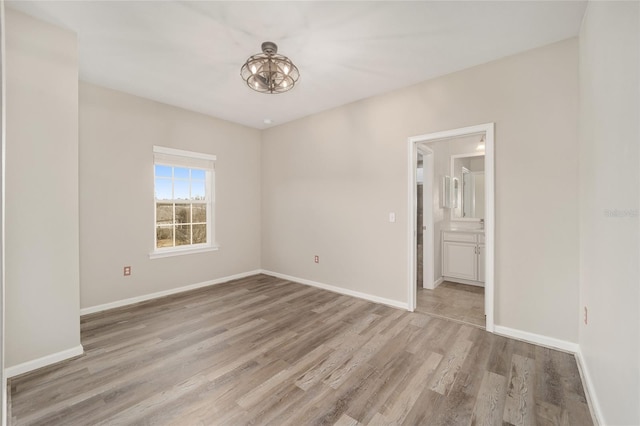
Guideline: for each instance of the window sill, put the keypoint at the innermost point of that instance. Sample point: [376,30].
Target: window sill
[180,252]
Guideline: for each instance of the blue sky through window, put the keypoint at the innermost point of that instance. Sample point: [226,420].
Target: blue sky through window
[163,189]
[180,173]
[179,183]
[197,189]
[181,189]
[164,171]
[198,174]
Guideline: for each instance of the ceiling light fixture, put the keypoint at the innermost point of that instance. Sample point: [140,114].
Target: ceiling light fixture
[268,72]
[480,146]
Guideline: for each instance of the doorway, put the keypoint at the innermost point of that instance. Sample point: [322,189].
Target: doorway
[437,201]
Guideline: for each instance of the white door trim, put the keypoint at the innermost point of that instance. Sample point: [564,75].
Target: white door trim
[489,220]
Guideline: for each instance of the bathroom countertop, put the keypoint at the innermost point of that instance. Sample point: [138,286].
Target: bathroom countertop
[469,231]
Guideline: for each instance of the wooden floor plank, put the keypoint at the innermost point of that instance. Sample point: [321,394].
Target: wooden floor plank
[490,402]
[402,405]
[384,382]
[263,350]
[345,420]
[443,380]
[519,406]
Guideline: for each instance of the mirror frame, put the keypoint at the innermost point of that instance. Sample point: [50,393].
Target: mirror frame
[453,218]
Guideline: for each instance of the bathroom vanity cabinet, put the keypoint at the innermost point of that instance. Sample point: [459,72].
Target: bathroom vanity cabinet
[463,256]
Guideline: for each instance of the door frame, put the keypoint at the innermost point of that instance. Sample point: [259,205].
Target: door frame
[489,221]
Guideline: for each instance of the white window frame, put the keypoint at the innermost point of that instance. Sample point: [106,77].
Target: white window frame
[188,159]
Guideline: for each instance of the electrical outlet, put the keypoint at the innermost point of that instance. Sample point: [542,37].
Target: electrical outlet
[127,271]
[586,317]
[316,258]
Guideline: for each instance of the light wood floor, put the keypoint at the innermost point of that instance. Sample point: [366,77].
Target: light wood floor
[266,351]
[459,302]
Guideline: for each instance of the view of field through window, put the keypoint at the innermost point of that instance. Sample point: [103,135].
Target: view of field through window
[181,206]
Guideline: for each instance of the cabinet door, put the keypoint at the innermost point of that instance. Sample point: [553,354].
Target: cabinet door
[459,260]
[481,262]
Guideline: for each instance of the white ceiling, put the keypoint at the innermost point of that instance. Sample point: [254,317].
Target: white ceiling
[189,54]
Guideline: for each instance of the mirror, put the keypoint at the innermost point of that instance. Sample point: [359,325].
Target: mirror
[445,193]
[468,169]
[449,192]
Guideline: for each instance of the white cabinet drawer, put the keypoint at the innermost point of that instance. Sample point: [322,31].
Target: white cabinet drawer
[481,238]
[459,236]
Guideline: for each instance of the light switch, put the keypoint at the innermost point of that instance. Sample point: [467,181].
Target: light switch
[392,217]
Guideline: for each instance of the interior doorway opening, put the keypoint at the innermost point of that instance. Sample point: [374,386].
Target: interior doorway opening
[451,224]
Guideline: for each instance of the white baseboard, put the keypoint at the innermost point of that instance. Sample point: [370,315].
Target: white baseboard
[538,339]
[340,290]
[434,284]
[145,297]
[589,390]
[25,367]
[438,282]
[463,281]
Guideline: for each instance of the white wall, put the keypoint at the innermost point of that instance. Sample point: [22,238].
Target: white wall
[42,290]
[476,164]
[609,203]
[330,180]
[117,134]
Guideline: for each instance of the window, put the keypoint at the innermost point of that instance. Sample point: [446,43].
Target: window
[184,202]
